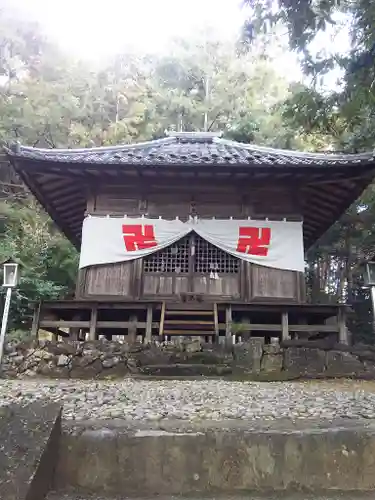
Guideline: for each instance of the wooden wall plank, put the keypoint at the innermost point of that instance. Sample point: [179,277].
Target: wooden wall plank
[227,285]
[223,199]
[109,279]
[170,198]
[272,283]
[155,285]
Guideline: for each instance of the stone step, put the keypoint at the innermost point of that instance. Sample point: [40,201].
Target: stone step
[186,370]
[29,437]
[270,496]
[208,457]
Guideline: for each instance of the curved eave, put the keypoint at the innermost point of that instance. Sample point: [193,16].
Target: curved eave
[198,150]
[53,202]
[326,189]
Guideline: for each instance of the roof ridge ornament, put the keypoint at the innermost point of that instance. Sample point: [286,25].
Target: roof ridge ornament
[15,147]
[194,136]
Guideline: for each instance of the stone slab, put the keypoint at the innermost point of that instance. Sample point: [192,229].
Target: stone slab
[248,356]
[294,496]
[303,361]
[186,370]
[29,438]
[173,458]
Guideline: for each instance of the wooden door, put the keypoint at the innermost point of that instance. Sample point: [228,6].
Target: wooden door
[214,273]
[191,266]
[167,273]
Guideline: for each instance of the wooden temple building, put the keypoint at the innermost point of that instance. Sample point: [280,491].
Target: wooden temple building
[191,234]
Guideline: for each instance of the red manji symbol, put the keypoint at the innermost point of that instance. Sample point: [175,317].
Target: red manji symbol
[254,240]
[138,237]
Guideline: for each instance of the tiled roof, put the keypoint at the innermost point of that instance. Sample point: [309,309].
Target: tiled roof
[188,149]
[325,184]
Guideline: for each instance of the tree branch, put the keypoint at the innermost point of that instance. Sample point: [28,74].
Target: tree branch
[213,121]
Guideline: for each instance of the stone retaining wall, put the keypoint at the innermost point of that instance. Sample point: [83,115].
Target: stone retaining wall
[252,359]
[177,458]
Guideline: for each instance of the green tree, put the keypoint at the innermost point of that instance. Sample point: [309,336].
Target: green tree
[342,119]
[49,262]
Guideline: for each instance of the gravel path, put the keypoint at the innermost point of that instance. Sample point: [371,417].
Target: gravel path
[194,400]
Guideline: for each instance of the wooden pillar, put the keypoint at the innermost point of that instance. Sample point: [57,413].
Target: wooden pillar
[215,338]
[343,332]
[216,319]
[73,331]
[297,335]
[132,330]
[148,337]
[55,335]
[161,324]
[285,326]
[80,283]
[93,322]
[228,321]
[36,321]
[246,334]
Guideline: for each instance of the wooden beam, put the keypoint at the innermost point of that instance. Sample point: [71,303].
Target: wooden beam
[162,317]
[336,180]
[314,328]
[60,333]
[223,326]
[87,305]
[285,326]
[148,336]
[121,324]
[36,321]
[86,324]
[268,306]
[55,335]
[227,185]
[228,321]
[93,323]
[74,330]
[195,322]
[80,283]
[132,329]
[246,334]
[61,183]
[343,331]
[216,319]
[46,323]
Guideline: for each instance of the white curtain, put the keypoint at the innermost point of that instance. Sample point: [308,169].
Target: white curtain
[277,244]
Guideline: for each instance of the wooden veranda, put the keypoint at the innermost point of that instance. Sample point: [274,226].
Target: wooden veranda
[155,320]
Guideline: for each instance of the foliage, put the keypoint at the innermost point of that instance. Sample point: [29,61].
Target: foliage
[341,119]
[200,84]
[48,261]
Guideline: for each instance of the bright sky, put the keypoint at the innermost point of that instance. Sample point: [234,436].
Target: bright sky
[94,30]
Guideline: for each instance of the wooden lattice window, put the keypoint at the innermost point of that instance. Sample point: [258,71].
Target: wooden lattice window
[173,259]
[206,259]
[210,259]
